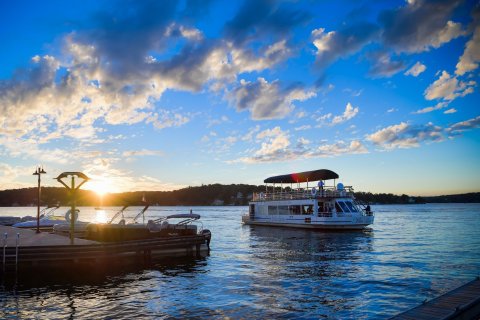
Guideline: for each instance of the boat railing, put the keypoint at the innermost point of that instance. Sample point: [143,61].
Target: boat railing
[306,193]
[326,214]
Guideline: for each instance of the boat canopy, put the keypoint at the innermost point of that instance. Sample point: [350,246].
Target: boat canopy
[307,176]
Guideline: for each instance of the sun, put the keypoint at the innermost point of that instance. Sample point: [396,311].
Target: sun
[100,186]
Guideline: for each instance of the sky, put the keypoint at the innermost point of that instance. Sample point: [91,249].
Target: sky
[160,95]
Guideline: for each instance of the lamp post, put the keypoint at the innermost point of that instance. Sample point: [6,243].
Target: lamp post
[73,193]
[38,172]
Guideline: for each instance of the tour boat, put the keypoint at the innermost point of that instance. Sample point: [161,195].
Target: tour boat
[318,206]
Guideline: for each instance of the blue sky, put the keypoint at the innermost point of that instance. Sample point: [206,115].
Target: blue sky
[159,95]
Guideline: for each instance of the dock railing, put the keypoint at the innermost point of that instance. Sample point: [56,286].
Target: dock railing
[305,193]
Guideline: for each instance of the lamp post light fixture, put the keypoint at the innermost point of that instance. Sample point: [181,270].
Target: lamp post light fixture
[38,172]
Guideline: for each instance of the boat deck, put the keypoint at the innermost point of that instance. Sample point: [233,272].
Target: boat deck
[460,303]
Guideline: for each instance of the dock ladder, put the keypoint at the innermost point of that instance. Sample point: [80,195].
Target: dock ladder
[6,255]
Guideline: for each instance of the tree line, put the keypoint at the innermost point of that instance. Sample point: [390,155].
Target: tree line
[205,195]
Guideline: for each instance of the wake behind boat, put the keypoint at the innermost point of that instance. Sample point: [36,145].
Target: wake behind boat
[318,207]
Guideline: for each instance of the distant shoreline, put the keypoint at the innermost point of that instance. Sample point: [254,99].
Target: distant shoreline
[246,205]
[205,195]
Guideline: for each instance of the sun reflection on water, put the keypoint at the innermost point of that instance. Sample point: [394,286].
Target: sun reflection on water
[100,216]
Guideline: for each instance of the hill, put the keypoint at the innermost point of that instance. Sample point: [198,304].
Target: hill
[212,194]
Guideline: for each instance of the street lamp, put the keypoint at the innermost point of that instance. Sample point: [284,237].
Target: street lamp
[38,172]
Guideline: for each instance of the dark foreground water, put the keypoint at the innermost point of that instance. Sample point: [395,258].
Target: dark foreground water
[411,253]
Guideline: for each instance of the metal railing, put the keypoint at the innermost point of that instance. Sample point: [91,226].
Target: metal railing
[326,192]
[5,255]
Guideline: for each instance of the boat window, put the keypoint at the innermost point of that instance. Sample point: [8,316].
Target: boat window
[351,206]
[294,210]
[320,207]
[344,206]
[337,207]
[272,210]
[307,209]
[283,210]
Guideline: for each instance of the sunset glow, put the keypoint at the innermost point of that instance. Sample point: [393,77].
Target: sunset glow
[160,96]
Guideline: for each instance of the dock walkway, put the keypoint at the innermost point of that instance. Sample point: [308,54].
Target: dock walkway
[51,249]
[460,304]
[29,238]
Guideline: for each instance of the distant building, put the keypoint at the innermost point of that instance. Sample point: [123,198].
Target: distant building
[217,202]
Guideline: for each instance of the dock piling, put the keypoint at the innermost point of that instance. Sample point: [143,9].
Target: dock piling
[5,236]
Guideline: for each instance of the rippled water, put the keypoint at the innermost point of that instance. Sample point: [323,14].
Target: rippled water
[411,253]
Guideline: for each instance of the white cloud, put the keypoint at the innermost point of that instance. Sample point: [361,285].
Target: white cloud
[353,93]
[416,69]
[348,114]
[275,140]
[448,88]
[275,146]
[251,132]
[186,32]
[383,65]
[404,135]
[339,148]
[9,176]
[166,119]
[116,180]
[420,25]
[266,100]
[304,127]
[449,111]
[471,56]
[214,122]
[470,124]
[142,152]
[438,106]
[451,31]
[333,45]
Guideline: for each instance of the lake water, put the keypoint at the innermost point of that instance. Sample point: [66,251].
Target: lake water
[411,253]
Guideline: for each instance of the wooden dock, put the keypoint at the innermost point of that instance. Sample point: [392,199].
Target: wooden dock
[29,238]
[42,249]
[460,304]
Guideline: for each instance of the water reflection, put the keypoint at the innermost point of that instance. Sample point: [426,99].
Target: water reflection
[415,252]
[91,293]
[302,271]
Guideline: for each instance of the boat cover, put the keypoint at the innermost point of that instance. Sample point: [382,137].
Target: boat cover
[184,216]
[307,176]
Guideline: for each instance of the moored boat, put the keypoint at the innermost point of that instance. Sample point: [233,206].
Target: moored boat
[318,206]
[121,228]
[48,219]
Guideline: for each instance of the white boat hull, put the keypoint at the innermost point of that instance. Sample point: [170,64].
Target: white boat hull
[338,223]
[309,226]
